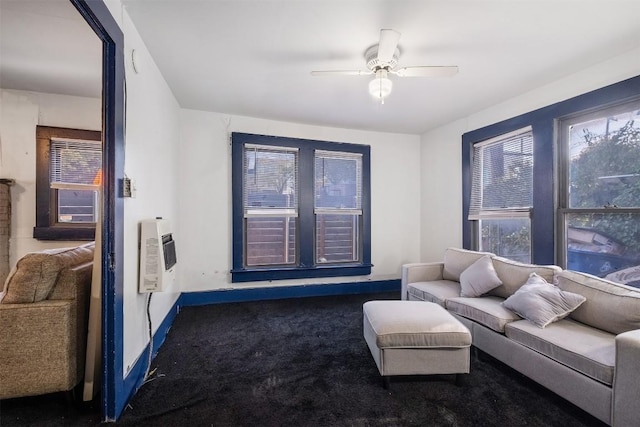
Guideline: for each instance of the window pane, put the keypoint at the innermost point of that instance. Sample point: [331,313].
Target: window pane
[604,165]
[338,180]
[75,162]
[77,206]
[605,245]
[270,178]
[270,241]
[337,238]
[503,174]
[509,238]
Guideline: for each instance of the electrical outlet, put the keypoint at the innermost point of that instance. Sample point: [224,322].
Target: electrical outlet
[126,187]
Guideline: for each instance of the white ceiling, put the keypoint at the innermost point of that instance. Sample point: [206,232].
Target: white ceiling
[46,46]
[254,57]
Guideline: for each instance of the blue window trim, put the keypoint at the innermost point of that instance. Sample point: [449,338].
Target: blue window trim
[543,122]
[307,267]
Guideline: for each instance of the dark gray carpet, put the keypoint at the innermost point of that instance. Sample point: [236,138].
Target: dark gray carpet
[304,362]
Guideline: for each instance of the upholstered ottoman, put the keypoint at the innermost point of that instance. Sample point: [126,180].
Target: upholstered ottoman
[415,338]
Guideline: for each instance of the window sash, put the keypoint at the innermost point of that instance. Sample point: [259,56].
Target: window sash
[64,173]
[350,191]
[270,178]
[602,126]
[509,241]
[337,243]
[486,161]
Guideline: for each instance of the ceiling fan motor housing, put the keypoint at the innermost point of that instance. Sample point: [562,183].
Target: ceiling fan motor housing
[371,55]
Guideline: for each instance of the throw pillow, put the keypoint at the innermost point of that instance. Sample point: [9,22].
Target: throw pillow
[479,278]
[541,302]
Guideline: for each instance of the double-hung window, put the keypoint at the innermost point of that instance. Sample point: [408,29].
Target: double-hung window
[502,195]
[600,192]
[301,208]
[68,177]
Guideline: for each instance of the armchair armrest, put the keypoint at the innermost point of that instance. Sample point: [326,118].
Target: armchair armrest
[419,272]
[39,348]
[626,380]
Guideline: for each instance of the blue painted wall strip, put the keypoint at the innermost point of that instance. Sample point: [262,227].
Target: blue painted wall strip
[301,291]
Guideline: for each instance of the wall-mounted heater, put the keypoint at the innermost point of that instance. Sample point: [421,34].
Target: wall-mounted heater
[157,255]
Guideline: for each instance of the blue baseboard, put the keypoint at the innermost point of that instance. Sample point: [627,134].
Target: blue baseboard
[134,379]
[300,291]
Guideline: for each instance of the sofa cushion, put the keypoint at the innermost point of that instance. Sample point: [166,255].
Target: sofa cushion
[458,260]
[438,291]
[487,311]
[541,302]
[36,273]
[514,274]
[609,306]
[479,278]
[583,348]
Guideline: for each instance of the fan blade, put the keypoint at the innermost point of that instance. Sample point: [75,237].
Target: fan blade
[427,71]
[387,46]
[342,73]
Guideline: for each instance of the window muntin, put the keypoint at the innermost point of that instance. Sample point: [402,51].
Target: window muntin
[600,195]
[68,175]
[502,194]
[301,208]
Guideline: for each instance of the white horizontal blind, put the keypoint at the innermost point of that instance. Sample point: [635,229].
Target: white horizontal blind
[74,162]
[338,182]
[270,180]
[502,177]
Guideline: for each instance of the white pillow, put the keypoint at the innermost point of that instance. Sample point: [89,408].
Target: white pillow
[479,278]
[542,303]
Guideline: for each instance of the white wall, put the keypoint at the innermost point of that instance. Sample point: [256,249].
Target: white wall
[152,143]
[20,113]
[205,197]
[441,173]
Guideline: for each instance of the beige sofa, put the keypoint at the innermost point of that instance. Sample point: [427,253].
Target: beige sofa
[590,356]
[43,322]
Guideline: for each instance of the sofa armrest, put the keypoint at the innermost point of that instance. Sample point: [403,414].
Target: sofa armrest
[420,272]
[626,380]
[39,348]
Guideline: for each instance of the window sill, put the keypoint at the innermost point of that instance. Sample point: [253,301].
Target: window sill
[279,273]
[64,233]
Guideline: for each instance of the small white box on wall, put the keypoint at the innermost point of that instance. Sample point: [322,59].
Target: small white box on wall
[157,256]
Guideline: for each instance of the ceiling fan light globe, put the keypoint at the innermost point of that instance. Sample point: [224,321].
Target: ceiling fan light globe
[380,87]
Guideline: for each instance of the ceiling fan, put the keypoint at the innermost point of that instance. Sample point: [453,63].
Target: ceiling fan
[382,60]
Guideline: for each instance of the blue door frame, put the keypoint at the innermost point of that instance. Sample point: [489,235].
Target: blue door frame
[97,15]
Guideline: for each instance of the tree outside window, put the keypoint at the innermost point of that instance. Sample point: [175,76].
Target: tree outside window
[602,220]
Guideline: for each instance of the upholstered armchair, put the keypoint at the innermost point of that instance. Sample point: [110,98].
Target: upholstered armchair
[43,322]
